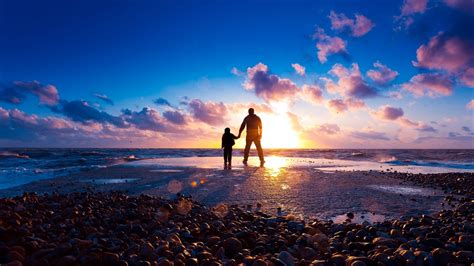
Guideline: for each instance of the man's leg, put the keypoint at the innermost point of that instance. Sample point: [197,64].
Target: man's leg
[248,143]
[259,150]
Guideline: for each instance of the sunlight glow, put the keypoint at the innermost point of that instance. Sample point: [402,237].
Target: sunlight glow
[278,131]
[274,165]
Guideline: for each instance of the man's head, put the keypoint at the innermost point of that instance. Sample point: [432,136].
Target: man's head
[251,111]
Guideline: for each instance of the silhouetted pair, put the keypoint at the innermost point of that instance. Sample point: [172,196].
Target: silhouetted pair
[254,135]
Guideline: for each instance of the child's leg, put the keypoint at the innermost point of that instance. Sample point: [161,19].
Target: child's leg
[229,159]
[225,155]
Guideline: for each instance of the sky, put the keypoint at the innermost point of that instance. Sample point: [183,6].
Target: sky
[174,74]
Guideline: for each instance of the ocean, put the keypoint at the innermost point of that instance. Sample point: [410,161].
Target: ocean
[23,165]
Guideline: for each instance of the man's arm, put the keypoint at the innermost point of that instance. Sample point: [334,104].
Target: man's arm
[242,126]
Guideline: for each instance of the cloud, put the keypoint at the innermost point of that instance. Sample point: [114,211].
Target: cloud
[359,26]
[463,5]
[301,70]
[420,126]
[411,7]
[211,113]
[369,135]
[175,117]
[431,84]
[104,98]
[268,86]
[147,119]
[467,77]
[81,111]
[445,52]
[466,128]
[350,83]
[328,129]
[337,106]
[295,121]
[328,45]
[312,94]
[382,74]
[341,105]
[470,105]
[162,101]
[236,72]
[388,112]
[17,92]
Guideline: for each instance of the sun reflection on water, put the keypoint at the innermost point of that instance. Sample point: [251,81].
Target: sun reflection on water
[274,166]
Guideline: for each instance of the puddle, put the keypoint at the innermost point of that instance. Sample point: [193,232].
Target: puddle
[105,181]
[360,217]
[166,171]
[404,190]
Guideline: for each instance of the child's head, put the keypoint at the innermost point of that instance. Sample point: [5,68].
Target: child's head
[227,130]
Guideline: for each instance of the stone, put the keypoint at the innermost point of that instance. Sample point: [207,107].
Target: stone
[286,258]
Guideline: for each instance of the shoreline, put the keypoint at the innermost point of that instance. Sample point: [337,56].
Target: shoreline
[111,228]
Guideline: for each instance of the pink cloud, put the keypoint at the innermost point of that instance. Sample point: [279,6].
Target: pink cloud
[388,112]
[431,84]
[470,105]
[382,74]
[301,70]
[467,77]
[268,86]
[312,94]
[420,126]
[359,26]
[337,106]
[464,5]
[211,113]
[236,72]
[328,45]
[445,53]
[47,94]
[328,129]
[369,135]
[350,83]
[411,7]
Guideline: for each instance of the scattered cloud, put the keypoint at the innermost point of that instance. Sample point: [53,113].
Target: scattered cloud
[340,106]
[431,84]
[409,9]
[369,135]
[350,83]
[162,101]
[211,113]
[463,5]
[104,98]
[17,92]
[443,52]
[236,72]
[358,27]
[466,128]
[328,129]
[148,119]
[300,70]
[470,105]
[312,94]
[268,86]
[388,112]
[467,77]
[328,45]
[382,74]
[175,117]
[83,112]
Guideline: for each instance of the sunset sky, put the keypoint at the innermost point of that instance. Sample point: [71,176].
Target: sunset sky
[320,74]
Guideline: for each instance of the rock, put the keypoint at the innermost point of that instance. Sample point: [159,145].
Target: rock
[318,263]
[286,258]
[382,241]
[350,215]
[67,260]
[109,258]
[232,246]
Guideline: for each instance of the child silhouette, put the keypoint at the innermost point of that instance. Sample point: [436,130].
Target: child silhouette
[227,143]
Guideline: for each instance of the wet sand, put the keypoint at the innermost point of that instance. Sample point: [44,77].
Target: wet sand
[303,187]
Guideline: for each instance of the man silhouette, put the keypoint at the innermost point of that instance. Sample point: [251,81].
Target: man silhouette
[254,134]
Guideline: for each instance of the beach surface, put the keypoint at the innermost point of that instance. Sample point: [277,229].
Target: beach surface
[308,188]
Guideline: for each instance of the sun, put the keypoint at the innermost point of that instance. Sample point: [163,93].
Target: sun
[278,132]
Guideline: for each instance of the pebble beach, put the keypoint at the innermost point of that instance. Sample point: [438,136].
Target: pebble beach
[115,228]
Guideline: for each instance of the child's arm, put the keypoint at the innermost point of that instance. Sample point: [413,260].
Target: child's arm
[222,143]
[235,137]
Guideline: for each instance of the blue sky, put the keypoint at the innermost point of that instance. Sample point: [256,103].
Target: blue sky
[137,51]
